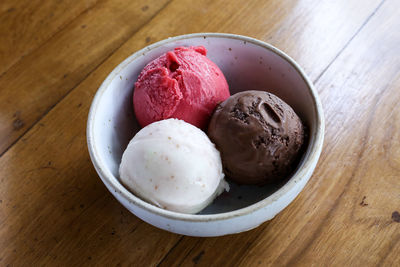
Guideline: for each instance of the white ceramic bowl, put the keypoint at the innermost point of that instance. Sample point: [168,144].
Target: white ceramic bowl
[247,64]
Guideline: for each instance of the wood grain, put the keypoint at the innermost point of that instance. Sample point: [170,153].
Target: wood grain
[289,25]
[31,87]
[54,210]
[26,24]
[335,228]
[65,214]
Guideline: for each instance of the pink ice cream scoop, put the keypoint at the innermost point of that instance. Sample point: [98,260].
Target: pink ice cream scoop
[182,84]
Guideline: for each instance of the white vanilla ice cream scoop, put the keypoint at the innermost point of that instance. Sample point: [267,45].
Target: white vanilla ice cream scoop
[173,165]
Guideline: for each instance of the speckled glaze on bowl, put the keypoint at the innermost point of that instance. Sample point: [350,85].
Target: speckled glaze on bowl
[248,64]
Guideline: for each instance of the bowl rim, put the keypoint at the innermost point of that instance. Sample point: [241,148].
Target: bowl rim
[309,161]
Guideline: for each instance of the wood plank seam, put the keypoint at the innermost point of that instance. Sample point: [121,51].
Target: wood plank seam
[337,201]
[50,37]
[340,52]
[315,81]
[351,39]
[169,251]
[188,253]
[99,228]
[83,79]
[195,246]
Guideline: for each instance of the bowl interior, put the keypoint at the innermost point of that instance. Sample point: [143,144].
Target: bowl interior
[246,65]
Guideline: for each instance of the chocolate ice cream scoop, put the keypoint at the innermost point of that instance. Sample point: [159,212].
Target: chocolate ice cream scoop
[259,137]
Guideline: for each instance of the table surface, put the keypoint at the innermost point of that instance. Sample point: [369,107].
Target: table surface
[54,210]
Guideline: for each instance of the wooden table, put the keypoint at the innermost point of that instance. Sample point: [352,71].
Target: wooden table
[54,210]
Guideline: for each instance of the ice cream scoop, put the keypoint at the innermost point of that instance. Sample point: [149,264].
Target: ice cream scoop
[173,165]
[182,84]
[259,137]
